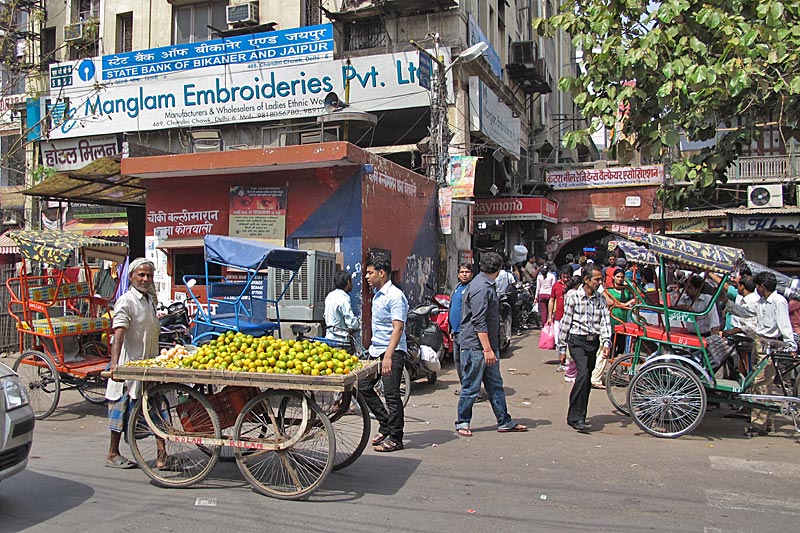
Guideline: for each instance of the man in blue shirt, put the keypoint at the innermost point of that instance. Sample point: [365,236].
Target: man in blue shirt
[339,317]
[454,313]
[389,311]
[480,344]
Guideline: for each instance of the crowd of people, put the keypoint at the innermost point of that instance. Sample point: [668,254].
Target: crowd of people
[580,301]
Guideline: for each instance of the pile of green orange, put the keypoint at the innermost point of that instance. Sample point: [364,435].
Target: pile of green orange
[244,353]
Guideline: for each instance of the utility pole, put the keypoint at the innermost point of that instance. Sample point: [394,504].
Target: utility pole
[439,134]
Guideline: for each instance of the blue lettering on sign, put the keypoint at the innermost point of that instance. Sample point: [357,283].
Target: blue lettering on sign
[310,42]
[476,35]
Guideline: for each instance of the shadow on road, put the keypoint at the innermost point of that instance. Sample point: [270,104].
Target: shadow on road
[383,475]
[21,499]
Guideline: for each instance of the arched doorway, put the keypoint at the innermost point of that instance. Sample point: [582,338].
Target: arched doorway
[597,240]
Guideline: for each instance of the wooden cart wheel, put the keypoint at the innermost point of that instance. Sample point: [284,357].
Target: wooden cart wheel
[666,400]
[294,441]
[177,412]
[38,375]
[349,416]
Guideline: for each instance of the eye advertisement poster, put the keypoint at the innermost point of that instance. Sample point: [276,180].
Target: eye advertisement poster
[258,213]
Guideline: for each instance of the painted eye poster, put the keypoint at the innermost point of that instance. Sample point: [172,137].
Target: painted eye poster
[461,175]
[258,213]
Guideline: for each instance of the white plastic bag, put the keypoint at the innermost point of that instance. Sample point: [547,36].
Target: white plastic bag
[430,359]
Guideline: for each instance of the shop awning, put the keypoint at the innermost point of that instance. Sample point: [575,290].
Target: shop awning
[99,182]
[172,244]
[7,245]
[99,228]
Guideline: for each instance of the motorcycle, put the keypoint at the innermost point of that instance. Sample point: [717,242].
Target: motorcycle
[442,319]
[425,343]
[174,325]
[506,310]
[525,313]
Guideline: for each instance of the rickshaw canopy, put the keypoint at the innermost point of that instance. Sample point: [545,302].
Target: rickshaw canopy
[56,247]
[635,253]
[251,254]
[709,257]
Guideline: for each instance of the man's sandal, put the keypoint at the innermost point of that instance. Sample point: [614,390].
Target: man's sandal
[378,438]
[464,432]
[388,446]
[519,428]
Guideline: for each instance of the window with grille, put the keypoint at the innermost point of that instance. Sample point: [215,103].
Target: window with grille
[365,34]
[191,23]
[48,46]
[311,13]
[85,10]
[124,32]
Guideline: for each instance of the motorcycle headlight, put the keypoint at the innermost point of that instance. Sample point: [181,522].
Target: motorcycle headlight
[15,393]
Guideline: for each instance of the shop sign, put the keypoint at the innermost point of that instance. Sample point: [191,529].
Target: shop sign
[73,154]
[258,212]
[516,209]
[491,56]
[765,222]
[491,117]
[7,104]
[184,223]
[606,177]
[691,225]
[246,91]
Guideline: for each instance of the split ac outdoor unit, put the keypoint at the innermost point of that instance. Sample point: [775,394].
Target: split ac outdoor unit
[523,53]
[766,195]
[73,33]
[242,14]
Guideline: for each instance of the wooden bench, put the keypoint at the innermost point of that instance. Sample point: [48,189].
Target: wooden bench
[659,333]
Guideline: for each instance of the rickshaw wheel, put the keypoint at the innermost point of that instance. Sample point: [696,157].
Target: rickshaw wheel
[274,417]
[666,400]
[38,375]
[618,378]
[349,415]
[93,388]
[176,410]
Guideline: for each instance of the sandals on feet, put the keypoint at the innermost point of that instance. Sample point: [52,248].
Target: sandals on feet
[519,428]
[464,432]
[378,438]
[121,463]
[388,446]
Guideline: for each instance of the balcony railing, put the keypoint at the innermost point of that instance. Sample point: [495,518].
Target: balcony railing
[760,168]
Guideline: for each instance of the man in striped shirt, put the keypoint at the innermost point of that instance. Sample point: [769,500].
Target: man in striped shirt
[585,327]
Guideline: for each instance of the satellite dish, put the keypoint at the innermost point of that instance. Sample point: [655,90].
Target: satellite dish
[332,103]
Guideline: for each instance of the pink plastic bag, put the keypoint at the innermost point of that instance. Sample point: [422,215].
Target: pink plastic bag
[546,339]
[572,369]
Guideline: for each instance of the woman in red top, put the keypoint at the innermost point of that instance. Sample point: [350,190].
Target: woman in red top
[556,305]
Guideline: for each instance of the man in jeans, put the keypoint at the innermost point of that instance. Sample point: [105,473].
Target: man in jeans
[480,344]
[454,316]
[389,311]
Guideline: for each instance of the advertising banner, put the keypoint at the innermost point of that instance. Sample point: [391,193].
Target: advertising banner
[258,213]
[461,175]
[492,117]
[445,209]
[595,178]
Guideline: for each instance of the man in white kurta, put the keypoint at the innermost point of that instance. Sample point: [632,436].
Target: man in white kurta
[136,331]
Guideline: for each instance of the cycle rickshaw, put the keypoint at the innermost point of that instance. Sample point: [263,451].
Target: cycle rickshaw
[64,327]
[673,371]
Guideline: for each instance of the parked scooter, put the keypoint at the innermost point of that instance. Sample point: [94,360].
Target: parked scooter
[174,326]
[425,343]
[505,322]
[525,313]
[442,319]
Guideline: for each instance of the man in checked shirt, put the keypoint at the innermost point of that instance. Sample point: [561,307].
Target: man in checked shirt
[584,328]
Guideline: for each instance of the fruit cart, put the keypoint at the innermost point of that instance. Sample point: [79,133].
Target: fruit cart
[240,306]
[63,325]
[285,443]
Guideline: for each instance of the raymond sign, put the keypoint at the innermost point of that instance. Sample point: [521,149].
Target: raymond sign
[606,177]
[516,209]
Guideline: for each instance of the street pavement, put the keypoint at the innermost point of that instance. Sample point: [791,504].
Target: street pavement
[551,478]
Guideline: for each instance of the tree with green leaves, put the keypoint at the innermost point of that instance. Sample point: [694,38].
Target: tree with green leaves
[656,71]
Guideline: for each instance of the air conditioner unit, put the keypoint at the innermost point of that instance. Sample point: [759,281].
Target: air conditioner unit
[766,195]
[74,33]
[206,141]
[305,297]
[242,14]
[523,53]
[10,218]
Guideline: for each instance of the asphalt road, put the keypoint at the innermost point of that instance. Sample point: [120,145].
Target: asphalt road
[549,479]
